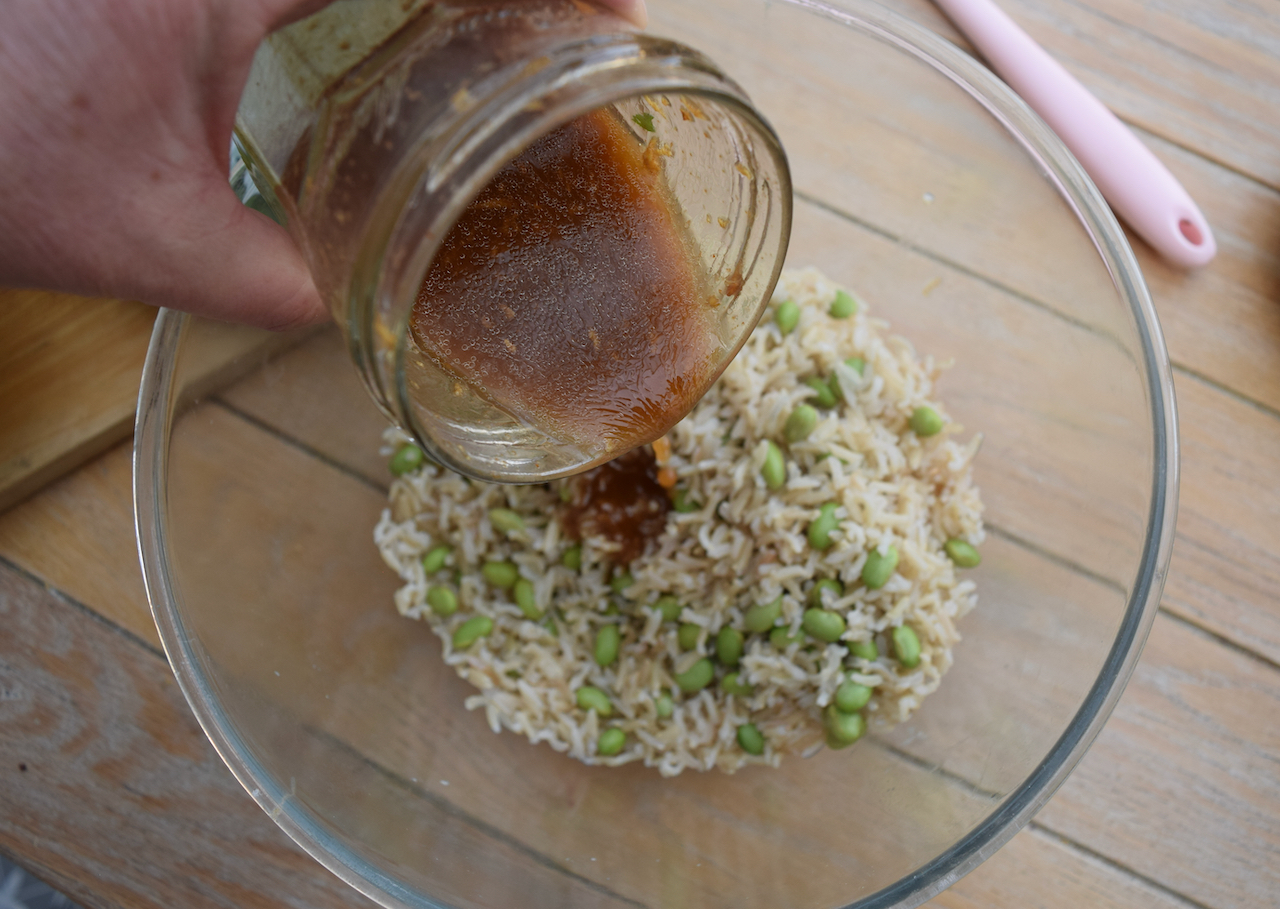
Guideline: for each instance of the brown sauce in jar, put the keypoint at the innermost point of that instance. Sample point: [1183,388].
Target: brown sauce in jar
[621,501]
[567,292]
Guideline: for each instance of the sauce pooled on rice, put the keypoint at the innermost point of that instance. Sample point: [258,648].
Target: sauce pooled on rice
[621,501]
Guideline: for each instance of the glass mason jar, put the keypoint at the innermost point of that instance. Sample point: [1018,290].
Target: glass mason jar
[370,126]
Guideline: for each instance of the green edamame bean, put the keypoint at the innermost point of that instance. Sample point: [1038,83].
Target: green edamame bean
[878,568]
[500,574]
[732,684]
[800,424]
[408,458]
[823,624]
[774,469]
[442,600]
[687,635]
[843,729]
[821,587]
[906,646]
[663,706]
[435,558]
[763,616]
[682,504]
[851,697]
[962,553]
[729,646]
[925,421]
[750,739]
[610,741]
[787,316]
[589,697]
[834,384]
[504,520]
[608,639]
[696,677]
[572,558]
[472,630]
[823,396]
[669,606]
[857,364]
[843,306]
[621,581]
[522,593]
[864,650]
[820,528]
[782,638]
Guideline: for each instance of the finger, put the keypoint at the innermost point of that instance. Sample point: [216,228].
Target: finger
[231,263]
[632,10]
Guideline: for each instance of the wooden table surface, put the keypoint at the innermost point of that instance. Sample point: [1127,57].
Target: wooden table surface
[1176,805]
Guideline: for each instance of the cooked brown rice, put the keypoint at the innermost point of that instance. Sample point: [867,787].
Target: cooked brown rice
[742,545]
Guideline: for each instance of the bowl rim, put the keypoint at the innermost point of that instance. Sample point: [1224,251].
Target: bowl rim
[156,409]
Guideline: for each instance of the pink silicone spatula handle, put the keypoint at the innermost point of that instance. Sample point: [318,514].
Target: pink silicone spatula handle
[1139,188]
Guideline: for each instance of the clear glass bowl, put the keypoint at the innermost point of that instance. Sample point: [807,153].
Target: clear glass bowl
[925,185]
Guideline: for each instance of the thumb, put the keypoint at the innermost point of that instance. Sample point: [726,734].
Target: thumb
[228,262]
[632,10]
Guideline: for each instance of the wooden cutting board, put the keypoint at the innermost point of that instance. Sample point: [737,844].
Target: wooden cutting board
[69,374]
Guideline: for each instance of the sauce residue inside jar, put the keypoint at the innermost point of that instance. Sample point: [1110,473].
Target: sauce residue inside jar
[621,501]
[567,292]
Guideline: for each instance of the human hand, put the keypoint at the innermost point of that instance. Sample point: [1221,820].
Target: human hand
[115,130]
